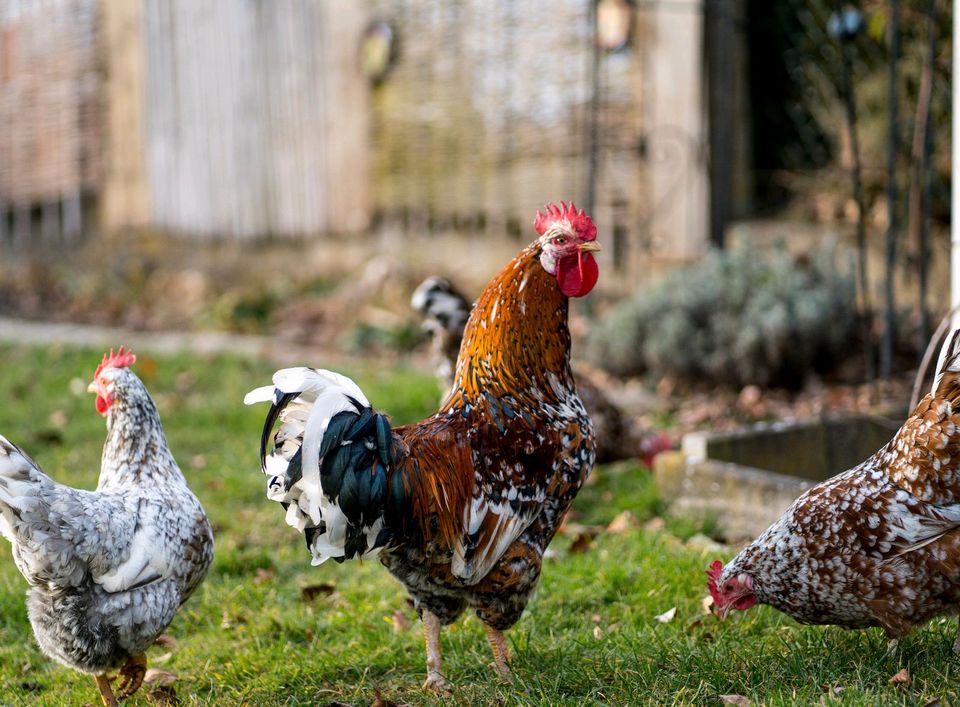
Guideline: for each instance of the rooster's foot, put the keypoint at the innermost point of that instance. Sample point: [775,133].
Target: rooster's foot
[131,676]
[435,682]
[501,654]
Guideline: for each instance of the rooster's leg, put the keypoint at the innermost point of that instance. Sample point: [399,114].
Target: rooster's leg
[501,654]
[131,676]
[106,692]
[431,632]
[892,644]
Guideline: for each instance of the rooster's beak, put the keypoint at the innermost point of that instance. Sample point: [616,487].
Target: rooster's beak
[722,611]
[92,388]
[589,247]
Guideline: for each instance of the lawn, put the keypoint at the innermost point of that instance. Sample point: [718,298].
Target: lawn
[252,635]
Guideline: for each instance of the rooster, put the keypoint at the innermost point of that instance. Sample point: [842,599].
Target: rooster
[461,506]
[878,545]
[445,312]
[109,568]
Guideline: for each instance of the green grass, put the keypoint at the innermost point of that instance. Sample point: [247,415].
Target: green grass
[589,636]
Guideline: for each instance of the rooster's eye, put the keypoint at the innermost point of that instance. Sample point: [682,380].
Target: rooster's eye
[560,240]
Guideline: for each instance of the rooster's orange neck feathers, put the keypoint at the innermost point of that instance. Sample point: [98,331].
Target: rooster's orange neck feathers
[516,342]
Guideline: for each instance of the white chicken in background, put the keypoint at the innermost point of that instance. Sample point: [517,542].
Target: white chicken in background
[108,569]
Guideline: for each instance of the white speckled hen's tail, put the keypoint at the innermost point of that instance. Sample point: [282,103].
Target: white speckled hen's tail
[21,480]
[328,467]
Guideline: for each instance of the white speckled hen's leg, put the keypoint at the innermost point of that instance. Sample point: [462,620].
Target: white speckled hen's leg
[106,692]
[431,633]
[501,654]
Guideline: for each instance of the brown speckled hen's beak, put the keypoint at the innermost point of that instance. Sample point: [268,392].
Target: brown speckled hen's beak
[589,247]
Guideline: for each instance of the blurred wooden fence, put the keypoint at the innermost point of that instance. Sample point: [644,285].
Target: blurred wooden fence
[257,117]
[50,140]
[230,119]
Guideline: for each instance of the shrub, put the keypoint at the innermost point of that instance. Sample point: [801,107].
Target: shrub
[733,318]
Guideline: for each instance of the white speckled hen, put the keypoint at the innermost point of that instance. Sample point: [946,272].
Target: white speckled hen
[108,569]
[878,545]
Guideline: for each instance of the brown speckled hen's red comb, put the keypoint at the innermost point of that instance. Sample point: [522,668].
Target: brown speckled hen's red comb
[120,359]
[578,220]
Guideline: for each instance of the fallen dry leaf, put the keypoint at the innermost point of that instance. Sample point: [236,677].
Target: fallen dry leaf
[165,641]
[597,632]
[666,616]
[581,543]
[159,676]
[400,621]
[655,525]
[312,591]
[735,700]
[381,701]
[228,622]
[901,678]
[622,523]
[163,658]
[573,530]
[264,575]
[162,696]
[707,604]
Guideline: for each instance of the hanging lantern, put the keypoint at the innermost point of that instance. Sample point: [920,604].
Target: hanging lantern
[614,24]
[378,50]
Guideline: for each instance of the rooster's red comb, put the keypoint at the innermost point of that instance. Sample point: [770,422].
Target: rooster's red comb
[120,359]
[579,221]
[716,568]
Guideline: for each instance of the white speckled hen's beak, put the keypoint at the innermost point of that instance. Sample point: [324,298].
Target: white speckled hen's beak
[92,388]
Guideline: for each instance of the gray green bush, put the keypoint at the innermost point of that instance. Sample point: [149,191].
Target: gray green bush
[734,318]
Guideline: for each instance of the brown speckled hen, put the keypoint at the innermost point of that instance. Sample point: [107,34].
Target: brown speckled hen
[878,545]
[461,506]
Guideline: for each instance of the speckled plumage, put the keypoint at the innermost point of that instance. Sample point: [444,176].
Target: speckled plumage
[108,569]
[878,545]
[481,487]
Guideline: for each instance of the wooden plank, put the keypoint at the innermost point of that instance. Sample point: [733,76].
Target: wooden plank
[124,199]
